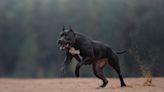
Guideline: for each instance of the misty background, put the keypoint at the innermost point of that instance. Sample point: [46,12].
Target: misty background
[29,30]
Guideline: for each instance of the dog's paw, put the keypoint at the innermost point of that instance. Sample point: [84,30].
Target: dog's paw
[104,84]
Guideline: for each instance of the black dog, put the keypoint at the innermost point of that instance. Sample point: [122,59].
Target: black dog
[92,52]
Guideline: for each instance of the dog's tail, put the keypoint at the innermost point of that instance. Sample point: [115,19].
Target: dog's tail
[121,52]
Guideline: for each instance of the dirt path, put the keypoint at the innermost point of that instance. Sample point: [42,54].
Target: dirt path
[78,85]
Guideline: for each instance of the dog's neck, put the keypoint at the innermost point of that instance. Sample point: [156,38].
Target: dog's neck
[78,39]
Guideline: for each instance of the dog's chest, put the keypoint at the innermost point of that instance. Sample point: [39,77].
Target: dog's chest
[73,51]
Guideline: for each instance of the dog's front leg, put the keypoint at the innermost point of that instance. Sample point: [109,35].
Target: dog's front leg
[67,61]
[90,56]
[78,66]
[77,57]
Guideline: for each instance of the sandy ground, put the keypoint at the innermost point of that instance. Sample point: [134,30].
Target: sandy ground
[78,85]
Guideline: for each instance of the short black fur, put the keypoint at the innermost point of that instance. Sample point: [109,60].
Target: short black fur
[92,52]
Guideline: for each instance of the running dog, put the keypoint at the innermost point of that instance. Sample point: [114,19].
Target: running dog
[92,52]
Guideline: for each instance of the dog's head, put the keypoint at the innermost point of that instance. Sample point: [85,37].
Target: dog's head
[67,38]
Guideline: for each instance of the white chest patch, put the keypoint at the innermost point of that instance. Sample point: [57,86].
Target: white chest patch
[73,51]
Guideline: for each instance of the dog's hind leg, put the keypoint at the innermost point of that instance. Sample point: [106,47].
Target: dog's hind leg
[117,68]
[98,71]
[114,62]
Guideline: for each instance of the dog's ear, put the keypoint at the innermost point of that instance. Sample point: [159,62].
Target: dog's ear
[70,28]
[63,28]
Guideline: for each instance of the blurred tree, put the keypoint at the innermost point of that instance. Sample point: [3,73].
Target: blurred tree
[29,30]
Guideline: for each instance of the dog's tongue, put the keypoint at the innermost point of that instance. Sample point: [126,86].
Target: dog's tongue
[67,45]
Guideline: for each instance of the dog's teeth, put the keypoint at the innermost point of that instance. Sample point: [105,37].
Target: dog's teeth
[60,48]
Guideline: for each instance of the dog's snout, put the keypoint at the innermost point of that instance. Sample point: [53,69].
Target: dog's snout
[60,41]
